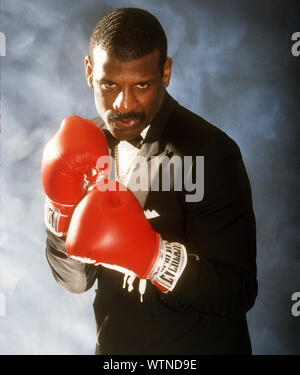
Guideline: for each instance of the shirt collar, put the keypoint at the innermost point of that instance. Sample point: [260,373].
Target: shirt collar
[145,131]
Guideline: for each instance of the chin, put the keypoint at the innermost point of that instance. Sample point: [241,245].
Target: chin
[126,135]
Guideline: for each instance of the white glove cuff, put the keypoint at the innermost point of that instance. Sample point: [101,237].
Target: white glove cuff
[57,217]
[169,265]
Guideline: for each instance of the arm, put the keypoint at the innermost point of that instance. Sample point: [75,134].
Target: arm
[220,230]
[72,275]
[68,168]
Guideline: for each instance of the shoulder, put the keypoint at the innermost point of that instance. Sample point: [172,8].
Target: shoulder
[190,133]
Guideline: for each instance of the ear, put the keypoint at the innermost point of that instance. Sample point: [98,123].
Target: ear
[167,72]
[89,71]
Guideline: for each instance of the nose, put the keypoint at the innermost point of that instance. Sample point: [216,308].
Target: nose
[125,101]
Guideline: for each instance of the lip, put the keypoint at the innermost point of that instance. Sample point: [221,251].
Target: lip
[127,124]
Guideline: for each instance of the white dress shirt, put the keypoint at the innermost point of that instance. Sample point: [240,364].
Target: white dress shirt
[127,156]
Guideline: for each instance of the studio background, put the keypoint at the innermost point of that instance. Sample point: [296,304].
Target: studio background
[232,64]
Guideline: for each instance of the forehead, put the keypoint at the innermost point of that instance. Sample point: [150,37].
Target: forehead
[109,67]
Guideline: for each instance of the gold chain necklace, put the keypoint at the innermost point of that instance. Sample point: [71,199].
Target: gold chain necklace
[123,178]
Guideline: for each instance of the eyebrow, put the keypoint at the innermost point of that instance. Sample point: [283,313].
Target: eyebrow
[104,80]
[149,81]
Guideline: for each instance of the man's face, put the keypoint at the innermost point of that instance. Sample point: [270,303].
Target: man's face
[128,94]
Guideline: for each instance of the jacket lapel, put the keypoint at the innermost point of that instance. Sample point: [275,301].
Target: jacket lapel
[143,169]
[152,146]
[145,172]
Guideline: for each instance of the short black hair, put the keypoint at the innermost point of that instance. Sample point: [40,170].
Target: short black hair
[128,34]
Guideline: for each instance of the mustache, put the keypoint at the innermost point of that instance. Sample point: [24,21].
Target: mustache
[119,116]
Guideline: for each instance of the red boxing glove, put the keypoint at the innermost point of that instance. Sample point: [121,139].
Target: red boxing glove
[69,168]
[110,228]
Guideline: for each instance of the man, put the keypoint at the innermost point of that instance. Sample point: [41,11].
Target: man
[204,312]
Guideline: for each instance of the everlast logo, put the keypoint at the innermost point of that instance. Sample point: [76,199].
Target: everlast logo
[52,218]
[172,261]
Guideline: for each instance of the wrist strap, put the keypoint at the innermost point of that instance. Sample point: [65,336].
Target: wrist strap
[57,217]
[169,265]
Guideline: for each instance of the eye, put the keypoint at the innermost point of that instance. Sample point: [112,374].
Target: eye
[108,85]
[142,85]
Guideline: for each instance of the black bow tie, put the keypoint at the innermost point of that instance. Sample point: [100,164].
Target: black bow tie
[113,142]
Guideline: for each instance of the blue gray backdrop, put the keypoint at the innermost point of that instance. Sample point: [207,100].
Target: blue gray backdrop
[232,65]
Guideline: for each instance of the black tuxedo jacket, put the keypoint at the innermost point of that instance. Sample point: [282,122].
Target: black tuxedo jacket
[206,312]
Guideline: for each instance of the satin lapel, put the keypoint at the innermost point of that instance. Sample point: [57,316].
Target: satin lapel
[146,171]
